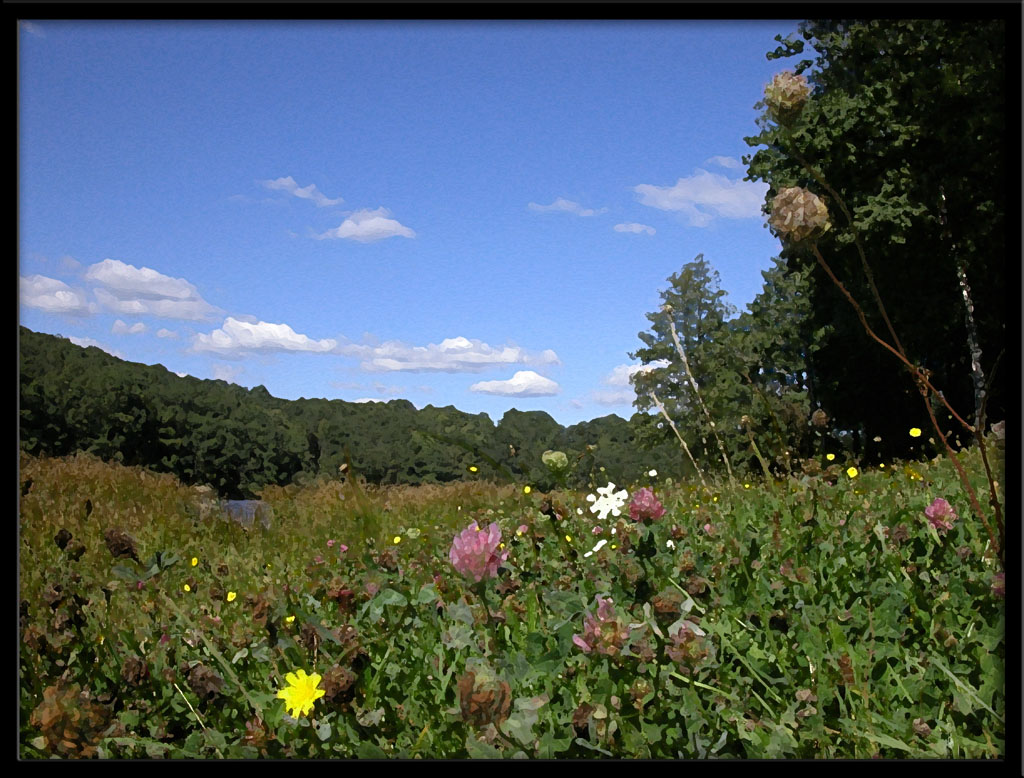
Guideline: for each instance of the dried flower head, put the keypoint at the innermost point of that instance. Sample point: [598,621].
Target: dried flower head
[474,552]
[798,214]
[819,418]
[786,95]
[483,698]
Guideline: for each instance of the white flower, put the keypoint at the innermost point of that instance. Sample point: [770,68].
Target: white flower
[670,544]
[599,546]
[610,501]
[653,473]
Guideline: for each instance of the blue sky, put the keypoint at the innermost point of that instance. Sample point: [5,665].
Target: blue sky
[477,214]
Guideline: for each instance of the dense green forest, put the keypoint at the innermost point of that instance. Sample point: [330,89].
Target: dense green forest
[238,440]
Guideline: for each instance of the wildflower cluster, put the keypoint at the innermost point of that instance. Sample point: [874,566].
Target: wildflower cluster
[645,506]
[602,631]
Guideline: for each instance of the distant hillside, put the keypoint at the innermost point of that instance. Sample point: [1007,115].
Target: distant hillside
[239,440]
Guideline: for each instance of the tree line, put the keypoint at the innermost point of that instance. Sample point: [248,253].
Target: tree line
[238,440]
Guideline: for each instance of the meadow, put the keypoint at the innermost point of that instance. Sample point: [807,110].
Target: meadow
[820,615]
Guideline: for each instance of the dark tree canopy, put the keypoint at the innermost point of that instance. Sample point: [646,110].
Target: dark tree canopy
[907,124]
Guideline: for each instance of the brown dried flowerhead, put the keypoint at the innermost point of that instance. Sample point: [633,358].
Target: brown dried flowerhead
[798,214]
[786,95]
[483,699]
[819,418]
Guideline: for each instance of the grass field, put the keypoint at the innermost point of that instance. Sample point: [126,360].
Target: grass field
[820,616]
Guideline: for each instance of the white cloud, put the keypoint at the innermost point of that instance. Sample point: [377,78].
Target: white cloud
[452,355]
[366,226]
[525,383]
[52,296]
[635,228]
[561,204]
[310,192]
[137,291]
[730,163]
[164,333]
[622,392]
[86,342]
[369,400]
[120,328]
[613,396]
[705,196]
[181,375]
[236,337]
[620,375]
[226,373]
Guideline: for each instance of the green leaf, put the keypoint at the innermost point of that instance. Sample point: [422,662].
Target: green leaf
[478,749]
[369,750]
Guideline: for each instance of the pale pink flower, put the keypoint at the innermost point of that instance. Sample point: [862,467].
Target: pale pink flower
[474,552]
[941,515]
[645,506]
[342,548]
[330,544]
[596,531]
[709,528]
[318,559]
[602,632]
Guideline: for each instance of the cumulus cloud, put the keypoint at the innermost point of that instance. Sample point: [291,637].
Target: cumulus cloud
[635,228]
[451,355]
[164,333]
[369,400]
[138,291]
[235,338]
[705,196]
[87,342]
[181,375]
[525,383]
[52,296]
[310,192]
[621,391]
[366,226]
[561,204]
[120,328]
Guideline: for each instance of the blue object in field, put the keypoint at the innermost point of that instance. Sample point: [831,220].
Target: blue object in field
[245,512]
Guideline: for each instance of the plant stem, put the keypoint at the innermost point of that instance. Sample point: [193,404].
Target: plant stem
[693,383]
[683,442]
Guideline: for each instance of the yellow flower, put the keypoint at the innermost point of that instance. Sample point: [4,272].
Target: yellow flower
[289,619]
[568,539]
[746,486]
[501,545]
[472,468]
[614,546]
[526,490]
[301,692]
[882,466]
[397,540]
[187,588]
[195,561]
[830,457]
[915,432]
[231,596]
[852,472]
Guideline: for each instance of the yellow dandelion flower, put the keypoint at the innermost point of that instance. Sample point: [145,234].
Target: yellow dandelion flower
[830,457]
[501,545]
[195,561]
[746,486]
[472,468]
[882,466]
[568,539]
[852,472]
[526,490]
[289,619]
[231,596]
[915,432]
[397,540]
[301,692]
[187,588]
[614,546]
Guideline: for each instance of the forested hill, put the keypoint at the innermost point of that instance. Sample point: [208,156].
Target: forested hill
[238,440]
